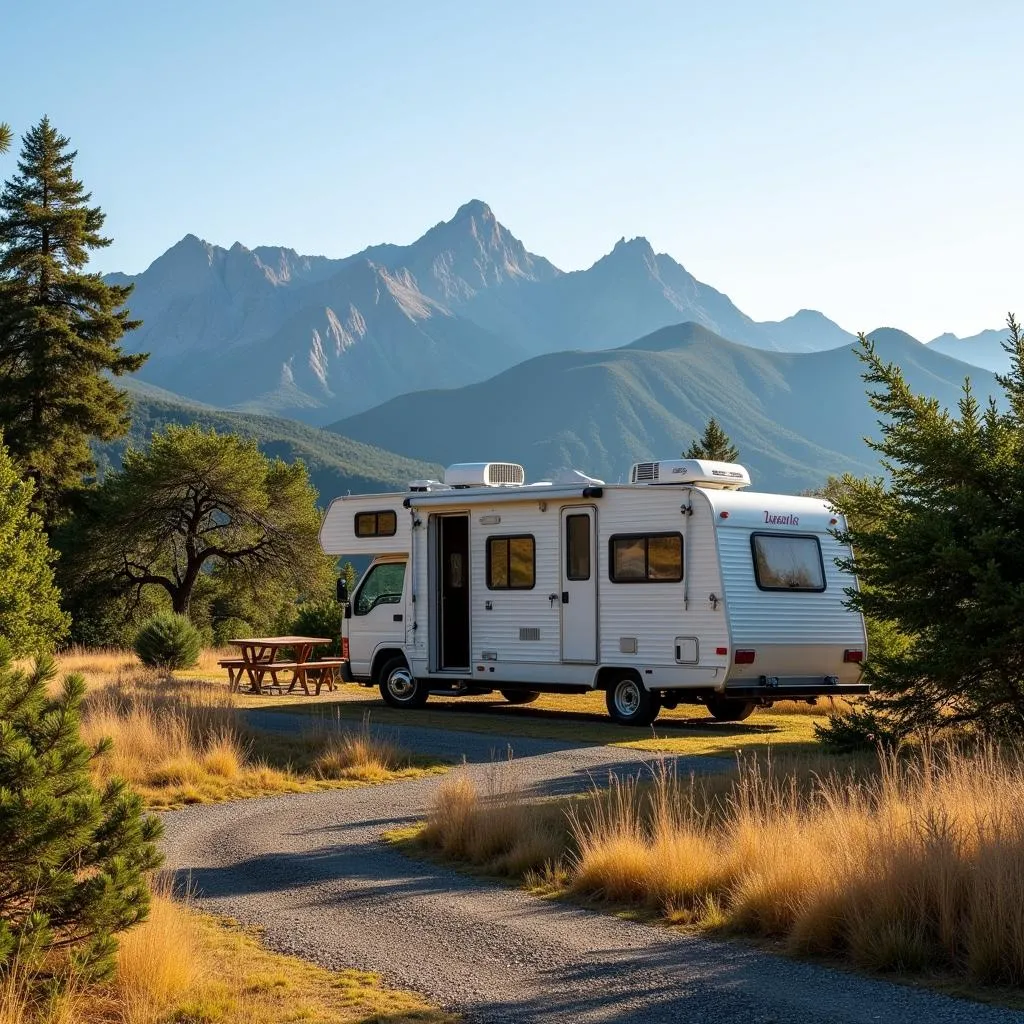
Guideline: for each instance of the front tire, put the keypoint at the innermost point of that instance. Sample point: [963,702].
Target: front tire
[724,710]
[399,687]
[520,696]
[630,702]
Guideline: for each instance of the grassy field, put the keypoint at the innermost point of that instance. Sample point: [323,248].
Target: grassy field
[910,865]
[181,967]
[788,727]
[183,741]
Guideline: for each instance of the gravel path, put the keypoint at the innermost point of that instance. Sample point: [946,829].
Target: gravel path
[313,872]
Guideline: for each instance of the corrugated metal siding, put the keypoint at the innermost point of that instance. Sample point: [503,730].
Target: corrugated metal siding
[498,629]
[773,617]
[654,612]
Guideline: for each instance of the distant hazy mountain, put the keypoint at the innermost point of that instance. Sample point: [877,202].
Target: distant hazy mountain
[984,349]
[319,338]
[795,417]
[336,464]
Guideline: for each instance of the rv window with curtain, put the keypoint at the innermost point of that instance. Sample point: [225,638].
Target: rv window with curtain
[787,562]
[376,524]
[646,558]
[577,547]
[511,563]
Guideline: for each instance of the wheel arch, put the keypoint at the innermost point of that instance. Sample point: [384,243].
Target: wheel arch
[381,657]
[608,675]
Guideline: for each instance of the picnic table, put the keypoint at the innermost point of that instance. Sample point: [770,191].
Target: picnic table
[260,659]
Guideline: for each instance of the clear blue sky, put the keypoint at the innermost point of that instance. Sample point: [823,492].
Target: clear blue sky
[863,158]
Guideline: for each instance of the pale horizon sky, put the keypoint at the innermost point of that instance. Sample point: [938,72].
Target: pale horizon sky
[863,160]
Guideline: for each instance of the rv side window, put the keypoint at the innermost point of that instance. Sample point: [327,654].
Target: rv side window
[511,563]
[646,558]
[383,585]
[787,562]
[577,547]
[376,524]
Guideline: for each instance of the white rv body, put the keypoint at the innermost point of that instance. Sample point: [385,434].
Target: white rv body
[607,596]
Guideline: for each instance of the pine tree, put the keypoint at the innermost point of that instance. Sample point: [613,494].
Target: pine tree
[713,444]
[72,872]
[939,555]
[31,619]
[60,327]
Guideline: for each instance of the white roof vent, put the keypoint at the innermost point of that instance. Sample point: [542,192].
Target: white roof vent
[426,485]
[485,474]
[725,476]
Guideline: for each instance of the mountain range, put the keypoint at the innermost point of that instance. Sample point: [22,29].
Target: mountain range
[315,338]
[796,417]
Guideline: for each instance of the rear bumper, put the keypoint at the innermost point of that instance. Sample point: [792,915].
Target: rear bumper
[784,689]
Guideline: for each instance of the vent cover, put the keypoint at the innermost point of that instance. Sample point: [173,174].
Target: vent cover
[529,632]
[645,473]
[485,474]
[724,476]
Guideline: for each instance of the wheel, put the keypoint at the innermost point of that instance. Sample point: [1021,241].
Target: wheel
[724,710]
[400,688]
[630,703]
[520,696]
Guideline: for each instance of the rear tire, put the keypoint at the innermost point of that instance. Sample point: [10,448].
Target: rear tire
[399,687]
[520,696]
[630,702]
[724,710]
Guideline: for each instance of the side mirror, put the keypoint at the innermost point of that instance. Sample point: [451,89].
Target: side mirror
[342,590]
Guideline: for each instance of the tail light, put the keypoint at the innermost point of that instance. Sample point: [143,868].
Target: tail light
[744,657]
[344,647]
[855,656]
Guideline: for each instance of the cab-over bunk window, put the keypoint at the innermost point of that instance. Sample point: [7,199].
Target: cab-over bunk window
[646,558]
[787,562]
[377,524]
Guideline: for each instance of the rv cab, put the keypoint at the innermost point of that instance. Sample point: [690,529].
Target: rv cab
[682,586]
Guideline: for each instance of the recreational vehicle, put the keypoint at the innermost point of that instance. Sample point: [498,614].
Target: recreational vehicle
[678,587]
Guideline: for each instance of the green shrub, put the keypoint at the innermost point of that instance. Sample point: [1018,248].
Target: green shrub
[320,618]
[232,628]
[168,641]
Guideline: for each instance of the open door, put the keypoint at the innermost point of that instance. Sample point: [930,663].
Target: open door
[579,584]
[453,593]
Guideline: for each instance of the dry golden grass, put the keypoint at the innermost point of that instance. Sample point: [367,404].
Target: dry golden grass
[180,742]
[180,966]
[915,866]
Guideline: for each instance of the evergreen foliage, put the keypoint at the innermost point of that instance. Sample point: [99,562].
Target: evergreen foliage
[72,872]
[6,135]
[31,619]
[713,444]
[196,508]
[168,641]
[60,327]
[938,553]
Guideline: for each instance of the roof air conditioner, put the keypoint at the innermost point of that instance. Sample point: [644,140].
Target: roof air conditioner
[485,474]
[726,476]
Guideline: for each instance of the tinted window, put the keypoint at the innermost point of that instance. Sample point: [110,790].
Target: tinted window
[646,558]
[577,547]
[383,585]
[376,524]
[511,563]
[787,563]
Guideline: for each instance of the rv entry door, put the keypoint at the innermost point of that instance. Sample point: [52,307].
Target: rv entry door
[579,584]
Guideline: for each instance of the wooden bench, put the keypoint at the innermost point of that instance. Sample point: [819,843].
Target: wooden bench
[319,672]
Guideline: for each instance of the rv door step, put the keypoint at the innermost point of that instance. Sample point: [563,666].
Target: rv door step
[795,691]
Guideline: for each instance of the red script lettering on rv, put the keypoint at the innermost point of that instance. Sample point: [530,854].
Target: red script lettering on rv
[777,520]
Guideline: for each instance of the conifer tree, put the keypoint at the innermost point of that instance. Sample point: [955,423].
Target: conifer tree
[31,619]
[713,444]
[60,327]
[72,871]
[939,555]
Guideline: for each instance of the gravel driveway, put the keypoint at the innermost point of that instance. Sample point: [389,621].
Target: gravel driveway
[313,872]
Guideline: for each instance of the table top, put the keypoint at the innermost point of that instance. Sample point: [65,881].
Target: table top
[281,641]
